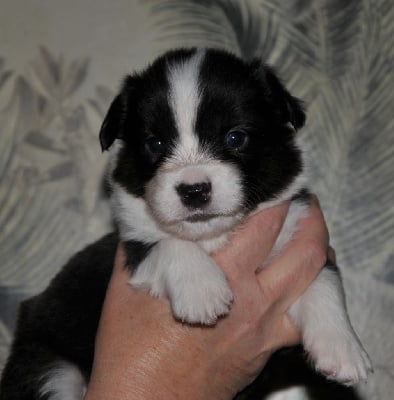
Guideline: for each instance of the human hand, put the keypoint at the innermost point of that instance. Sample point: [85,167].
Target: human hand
[142,352]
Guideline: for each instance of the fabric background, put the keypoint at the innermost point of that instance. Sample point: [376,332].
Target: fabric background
[61,62]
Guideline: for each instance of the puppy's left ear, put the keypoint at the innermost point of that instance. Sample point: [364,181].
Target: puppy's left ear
[112,126]
[289,108]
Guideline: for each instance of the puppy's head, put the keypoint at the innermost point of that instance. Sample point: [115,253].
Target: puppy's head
[202,138]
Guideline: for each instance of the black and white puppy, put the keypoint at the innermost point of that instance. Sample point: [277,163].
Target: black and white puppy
[198,141]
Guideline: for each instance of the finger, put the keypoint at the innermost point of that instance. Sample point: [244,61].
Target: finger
[122,300]
[252,242]
[286,334]
[331,255]
[119,272]
[119,291]
[291,272]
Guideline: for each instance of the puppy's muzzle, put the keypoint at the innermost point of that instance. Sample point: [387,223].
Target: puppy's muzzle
[196,195]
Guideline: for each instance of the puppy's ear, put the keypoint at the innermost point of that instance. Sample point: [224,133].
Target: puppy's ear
[112,126]
[289,108]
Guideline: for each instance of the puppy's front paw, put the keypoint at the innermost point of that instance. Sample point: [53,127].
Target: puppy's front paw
[339,356]
[189,277]
[202,301]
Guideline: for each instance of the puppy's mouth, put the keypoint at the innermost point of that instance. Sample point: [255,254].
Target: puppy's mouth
[200,225]
[201,217]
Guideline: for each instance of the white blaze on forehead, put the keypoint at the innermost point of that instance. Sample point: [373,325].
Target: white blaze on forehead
[184,99]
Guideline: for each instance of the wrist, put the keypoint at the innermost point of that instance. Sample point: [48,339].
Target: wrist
[159,370]
[182,368]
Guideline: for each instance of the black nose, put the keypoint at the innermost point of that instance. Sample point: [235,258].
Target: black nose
[196,195]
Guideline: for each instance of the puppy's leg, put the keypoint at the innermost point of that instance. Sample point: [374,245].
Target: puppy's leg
[63,381]
[184,272]
[34,373]
[327,333]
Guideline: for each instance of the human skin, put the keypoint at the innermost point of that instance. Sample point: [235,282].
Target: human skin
[142,352]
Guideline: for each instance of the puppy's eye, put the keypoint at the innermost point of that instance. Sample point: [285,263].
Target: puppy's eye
[155,145]
[236,139]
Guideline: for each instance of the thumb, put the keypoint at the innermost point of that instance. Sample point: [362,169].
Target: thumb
[252,241]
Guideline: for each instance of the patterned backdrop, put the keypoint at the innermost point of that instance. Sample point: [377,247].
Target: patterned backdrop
[62,61]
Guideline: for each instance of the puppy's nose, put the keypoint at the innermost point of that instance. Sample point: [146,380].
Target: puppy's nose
[196,195]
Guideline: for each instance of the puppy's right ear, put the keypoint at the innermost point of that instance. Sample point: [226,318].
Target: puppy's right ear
[287,108]
[112,126]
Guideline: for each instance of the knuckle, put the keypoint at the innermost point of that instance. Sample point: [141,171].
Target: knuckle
[315,253]
[276,225]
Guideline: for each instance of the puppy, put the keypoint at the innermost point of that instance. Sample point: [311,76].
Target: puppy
[198,141]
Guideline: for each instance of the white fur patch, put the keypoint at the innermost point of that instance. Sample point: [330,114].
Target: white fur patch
[327,333]
[184,98]
[134,220]
[64,381]
[114,156]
